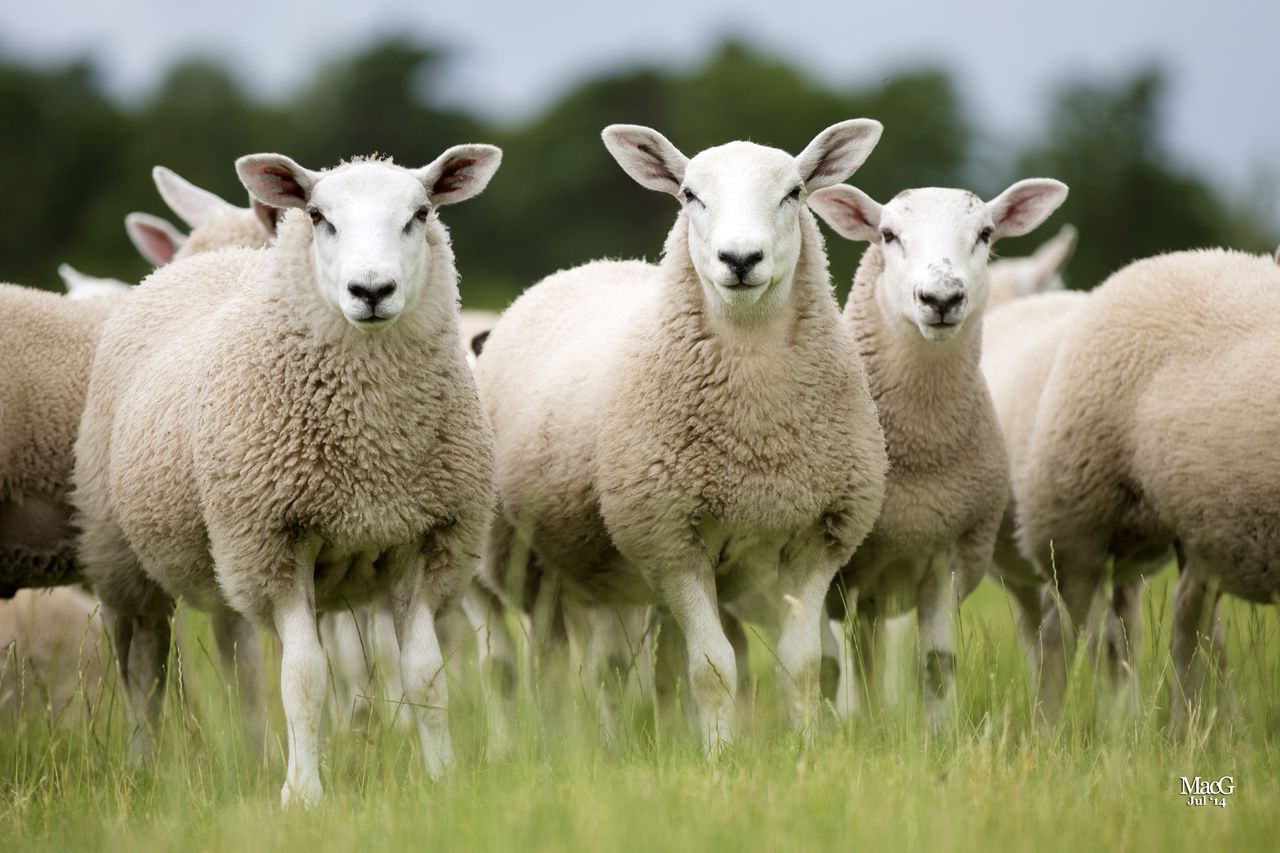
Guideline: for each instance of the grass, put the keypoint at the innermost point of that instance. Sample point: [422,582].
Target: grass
[1105,781]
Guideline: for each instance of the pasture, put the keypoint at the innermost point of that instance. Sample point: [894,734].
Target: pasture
[1100,780]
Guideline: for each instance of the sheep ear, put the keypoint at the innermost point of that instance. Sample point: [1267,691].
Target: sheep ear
[195,206]
[73,279]
[267,215]
[275,180]
[154,238]
[849,211]
[459,173]
[647,156]
[837,152]
[1053,254]
[1023,206]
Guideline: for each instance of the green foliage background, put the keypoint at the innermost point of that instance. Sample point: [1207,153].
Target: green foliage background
[73,161]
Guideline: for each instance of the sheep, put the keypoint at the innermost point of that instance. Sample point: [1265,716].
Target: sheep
[294,429]
[214,222]
[1039,272]
[1020,341]
[46,346]
[81,286]
[694,431]
[916,310]
[1166,417]
[50,644]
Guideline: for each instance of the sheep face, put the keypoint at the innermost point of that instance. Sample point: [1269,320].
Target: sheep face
[370,251]
[936,244]
[742,202]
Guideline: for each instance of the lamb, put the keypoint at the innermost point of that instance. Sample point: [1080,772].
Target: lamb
[694,432]
[916,310]
[290,430]
[1166,413]
[1039,272]
[214,222]
[81,286]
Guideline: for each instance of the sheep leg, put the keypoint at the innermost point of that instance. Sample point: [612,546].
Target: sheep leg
[344,640]
[240,653]
[387,661]
[1195,620]
[1124,643]
[304,676]
[422,672]
[804,580]
[1027,599]
[938,605]
[1067,615]
[496,657]
[142,655]
[690,594]
[895,638]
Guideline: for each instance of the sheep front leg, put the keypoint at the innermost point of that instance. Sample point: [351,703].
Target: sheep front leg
[804,579]
[939,608]
[690,594]
[240,652]
[421,662]
[304,681]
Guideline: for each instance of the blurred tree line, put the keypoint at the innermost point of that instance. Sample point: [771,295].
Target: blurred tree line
[73,161]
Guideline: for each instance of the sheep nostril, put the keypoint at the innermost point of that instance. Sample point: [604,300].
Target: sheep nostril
[371,294]
[741,264]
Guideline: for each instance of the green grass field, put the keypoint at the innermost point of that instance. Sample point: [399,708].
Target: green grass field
[994,783]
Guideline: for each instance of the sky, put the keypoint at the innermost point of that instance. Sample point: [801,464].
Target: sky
[514,57]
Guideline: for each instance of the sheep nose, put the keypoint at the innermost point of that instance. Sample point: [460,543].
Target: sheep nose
[371,294]
[941,304]
[741,263]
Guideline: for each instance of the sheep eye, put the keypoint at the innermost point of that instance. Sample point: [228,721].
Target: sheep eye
[794,195]
[984,236]
[419,215]
[888,236]
[690,197]
[316,216]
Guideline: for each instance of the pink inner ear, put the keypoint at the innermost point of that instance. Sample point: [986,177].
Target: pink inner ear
[455,176]
[1020,209]
[279,181]
[158,244]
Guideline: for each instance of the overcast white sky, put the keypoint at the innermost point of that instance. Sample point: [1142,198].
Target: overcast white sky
[1225,109]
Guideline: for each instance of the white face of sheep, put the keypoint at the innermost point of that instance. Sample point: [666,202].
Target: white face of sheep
[743,202]
[370,251]
[936,244]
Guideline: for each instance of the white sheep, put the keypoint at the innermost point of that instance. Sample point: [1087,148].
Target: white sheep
[1160,406]
[214,222]
[81,286]
[916,310]
[1020,342]
[693,432]
[1039,272]
[294,429]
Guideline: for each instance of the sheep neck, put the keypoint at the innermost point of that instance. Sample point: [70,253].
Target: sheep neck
[927,392]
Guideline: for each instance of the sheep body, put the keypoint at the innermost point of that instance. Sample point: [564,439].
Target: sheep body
[46,348]
[1163,414]
[51,643]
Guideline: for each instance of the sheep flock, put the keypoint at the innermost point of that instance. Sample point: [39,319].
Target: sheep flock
[292,426]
